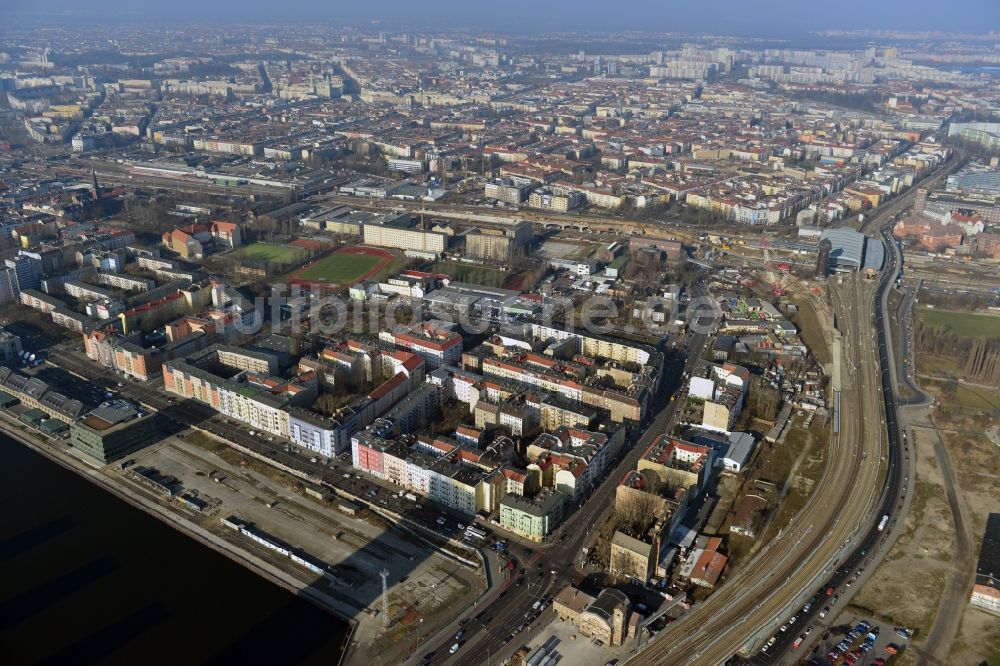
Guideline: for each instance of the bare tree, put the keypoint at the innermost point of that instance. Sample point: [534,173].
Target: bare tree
[637,513]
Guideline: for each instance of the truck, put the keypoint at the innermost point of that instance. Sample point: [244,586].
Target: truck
[411,497]
[882,523]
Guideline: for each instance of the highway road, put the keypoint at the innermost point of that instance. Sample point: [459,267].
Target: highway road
[899,482]
[759,596]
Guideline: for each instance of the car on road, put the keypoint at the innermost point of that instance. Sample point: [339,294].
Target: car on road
[798,641]
[769,643]
[454,648]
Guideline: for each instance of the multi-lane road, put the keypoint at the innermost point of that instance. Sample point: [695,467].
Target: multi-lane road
[493,631]
[869,549]
[791,568]
[506,609]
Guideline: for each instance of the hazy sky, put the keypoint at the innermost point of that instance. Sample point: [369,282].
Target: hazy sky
[770,17]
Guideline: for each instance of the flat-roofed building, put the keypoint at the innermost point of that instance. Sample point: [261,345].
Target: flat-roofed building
[115,430]
[507,191]
[40,301]
[402,231]
[10,345]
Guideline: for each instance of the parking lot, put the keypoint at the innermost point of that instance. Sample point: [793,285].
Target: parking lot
[859,641]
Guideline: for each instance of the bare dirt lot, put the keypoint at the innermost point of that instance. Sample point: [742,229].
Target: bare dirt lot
[913,583]
[976,461]
[908,584]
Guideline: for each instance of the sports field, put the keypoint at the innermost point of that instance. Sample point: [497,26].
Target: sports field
[270,252]
[344,267]
[965,324]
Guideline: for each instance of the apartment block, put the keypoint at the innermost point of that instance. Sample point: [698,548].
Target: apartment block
[461,478]
[403,232]
[437,346]
[532,518]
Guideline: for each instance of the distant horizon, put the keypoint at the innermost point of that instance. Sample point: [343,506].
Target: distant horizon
[787,19]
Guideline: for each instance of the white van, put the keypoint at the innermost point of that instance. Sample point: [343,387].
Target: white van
[454,649]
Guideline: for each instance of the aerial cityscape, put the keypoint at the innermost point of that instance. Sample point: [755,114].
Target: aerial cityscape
[418,335]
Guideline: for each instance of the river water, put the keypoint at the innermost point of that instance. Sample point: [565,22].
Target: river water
[87,578]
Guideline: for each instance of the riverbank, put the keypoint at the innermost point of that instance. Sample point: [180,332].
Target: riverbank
[55,453]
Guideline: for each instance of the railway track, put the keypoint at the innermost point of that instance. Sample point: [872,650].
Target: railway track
[756,597]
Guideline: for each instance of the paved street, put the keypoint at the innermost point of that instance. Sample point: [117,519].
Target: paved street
[493,631]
